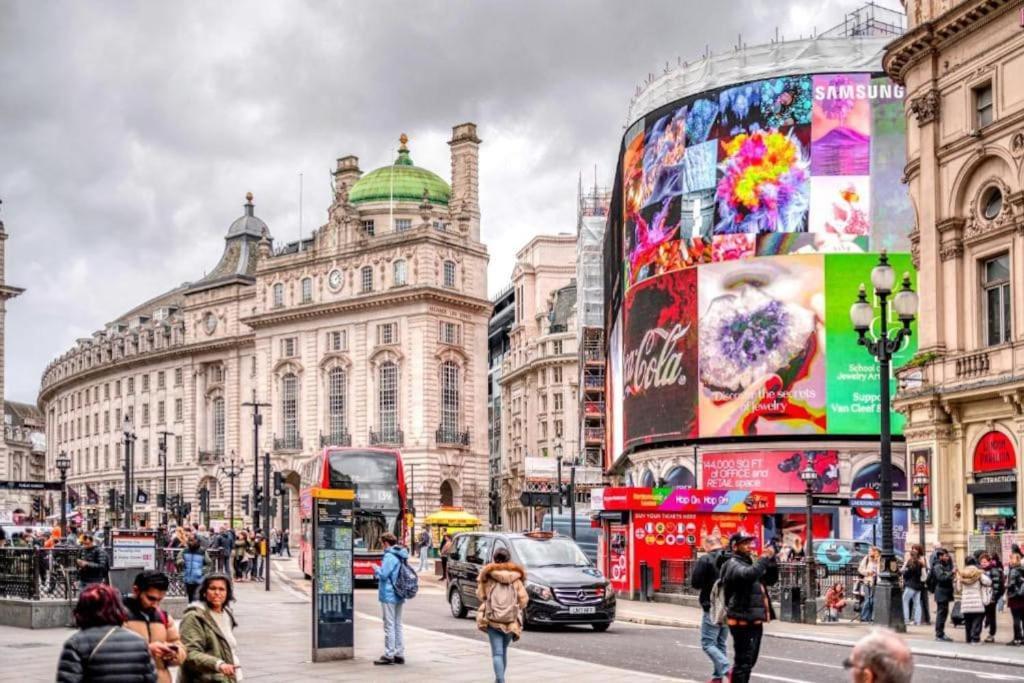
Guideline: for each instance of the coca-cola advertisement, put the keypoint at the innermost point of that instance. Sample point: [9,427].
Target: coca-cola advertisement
[660,359]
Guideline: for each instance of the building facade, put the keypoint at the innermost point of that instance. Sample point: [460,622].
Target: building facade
[370,333]
[18,461]
[498,346]
[963,67]
[539,376]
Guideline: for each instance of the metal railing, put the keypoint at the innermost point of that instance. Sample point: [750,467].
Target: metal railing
[675,577]
[388,437]
[451,436]
[288,443]
[342,438]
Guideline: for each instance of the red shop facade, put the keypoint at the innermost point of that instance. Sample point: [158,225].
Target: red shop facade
[657,527]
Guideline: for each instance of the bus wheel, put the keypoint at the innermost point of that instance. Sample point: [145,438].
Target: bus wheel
[455,602]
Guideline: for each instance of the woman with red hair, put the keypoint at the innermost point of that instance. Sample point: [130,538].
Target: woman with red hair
[102,651]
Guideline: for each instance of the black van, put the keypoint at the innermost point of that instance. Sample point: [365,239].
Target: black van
[563,585]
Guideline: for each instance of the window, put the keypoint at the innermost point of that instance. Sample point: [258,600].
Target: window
[403,224]
[450,333]
[983,110]
[179,449]
[131,386]
[398,272]
[307,290]
[218,373]
[106,391]
[145,452]
[366,278]
[145,382]
[558,428]
[450,399]
[117,389]
[337,388]
[161,380]
[387,333]
[991,203]
[337,341]
[996,291]
[288,347]
[278,295]
[96,457]
[117,419]
[558,401]
[556,375]
[161,413]
[556,347]
[95,423]
[290,408]
[449,274]
[96,394]
[218,426]
[106,456]
[177,377]
[106,420]
[145,414]
[178,406]
[87,425]
[387,399]
[368,227]
[479,549]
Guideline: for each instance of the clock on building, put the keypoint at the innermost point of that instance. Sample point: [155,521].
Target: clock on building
[334,279]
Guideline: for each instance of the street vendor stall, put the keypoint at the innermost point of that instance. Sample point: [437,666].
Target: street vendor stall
[656,529]
[450,520]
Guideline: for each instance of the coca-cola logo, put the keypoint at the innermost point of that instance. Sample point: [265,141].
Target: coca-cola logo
[657,361]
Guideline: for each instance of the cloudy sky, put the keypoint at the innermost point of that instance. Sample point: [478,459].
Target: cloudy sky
[130,132]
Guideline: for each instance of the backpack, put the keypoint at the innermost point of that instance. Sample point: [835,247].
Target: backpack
[718,613]
[405,581]
[502,605]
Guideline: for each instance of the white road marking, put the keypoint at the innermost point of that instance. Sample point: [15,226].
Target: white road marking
[800,661]
[980,674]
[780,678]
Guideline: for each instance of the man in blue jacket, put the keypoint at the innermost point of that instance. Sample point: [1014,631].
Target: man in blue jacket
[390,603]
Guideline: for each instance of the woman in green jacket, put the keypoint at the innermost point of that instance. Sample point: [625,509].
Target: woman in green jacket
[207,632]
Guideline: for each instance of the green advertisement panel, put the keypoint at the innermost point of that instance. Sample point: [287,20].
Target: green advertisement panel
[852,373]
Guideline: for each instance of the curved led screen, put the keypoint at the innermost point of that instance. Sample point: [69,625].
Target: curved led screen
[749,216]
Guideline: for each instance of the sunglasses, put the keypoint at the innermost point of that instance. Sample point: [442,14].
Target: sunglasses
[848,664]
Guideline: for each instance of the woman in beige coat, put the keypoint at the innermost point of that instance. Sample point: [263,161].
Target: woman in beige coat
[503,598]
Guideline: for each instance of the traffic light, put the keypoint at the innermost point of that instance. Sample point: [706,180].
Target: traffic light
[278,484]
[161,500]
[37,507]
[273,508]
[245,504]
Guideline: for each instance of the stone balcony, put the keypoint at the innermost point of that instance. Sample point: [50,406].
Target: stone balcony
[963,368]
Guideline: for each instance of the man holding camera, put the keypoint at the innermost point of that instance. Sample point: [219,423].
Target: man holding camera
[747,605]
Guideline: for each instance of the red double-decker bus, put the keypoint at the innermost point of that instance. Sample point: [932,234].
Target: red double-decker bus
[380,504]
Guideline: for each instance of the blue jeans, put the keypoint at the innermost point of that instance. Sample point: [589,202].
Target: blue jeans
[499,651]
[912,597]
[867,612]
[424,558]
[713,640]
[394,642]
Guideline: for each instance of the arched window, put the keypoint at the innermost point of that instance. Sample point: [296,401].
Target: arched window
[387,401]
[647,481]
[218,426]
[447,494]
[278,295]
[449,274]
[680,476]
[450,400]
[337,388]
[398,268]
[290,410]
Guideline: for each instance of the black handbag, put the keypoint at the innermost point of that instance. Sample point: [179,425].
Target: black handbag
[957,616]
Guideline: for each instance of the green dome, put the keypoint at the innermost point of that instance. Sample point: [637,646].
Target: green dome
[402,181]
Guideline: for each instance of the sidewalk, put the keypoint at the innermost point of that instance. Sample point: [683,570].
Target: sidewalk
[920,638]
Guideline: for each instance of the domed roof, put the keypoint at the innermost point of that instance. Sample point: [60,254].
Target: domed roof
[402,181]
[248,223]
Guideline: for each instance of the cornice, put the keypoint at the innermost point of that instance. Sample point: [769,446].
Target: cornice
[46,393]
[368,301]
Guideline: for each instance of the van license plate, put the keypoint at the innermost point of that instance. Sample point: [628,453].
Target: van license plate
[582,610]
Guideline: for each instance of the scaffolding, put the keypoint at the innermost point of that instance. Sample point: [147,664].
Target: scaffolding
[869,21]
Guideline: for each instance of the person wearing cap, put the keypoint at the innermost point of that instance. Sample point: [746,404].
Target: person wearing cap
[747,604]
[940,583]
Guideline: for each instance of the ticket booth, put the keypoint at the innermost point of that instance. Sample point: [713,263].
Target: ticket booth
[644,527]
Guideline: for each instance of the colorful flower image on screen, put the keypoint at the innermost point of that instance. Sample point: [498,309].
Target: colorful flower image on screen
[700,120]
[764,183]
[733,247]
[840,205]
[739,108]
[785,101]
[664,149]
[841,126]
[656,227]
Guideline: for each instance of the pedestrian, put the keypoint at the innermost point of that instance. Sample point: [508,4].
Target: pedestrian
[1015,596]
[155,626]
[503,598]
[93,564]
[880,657]
[227,551]
[940,583]
[241,555]
[713,636]
[747,604]
[275,541]
[913,583]
[993,568]
[102,646]
[868,570]
[390,604]
[284,543]
[975,591]
[194,564]
[797,554]
[835,601]
[446,550]
[425,543]
[208,631]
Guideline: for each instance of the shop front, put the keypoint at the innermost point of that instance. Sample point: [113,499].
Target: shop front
[645,528]
[994,489]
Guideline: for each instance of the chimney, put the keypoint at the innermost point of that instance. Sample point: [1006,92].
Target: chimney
[465,203]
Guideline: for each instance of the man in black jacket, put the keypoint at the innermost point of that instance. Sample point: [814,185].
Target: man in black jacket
[93,565]
[713,637]
[746,601]
[940,583]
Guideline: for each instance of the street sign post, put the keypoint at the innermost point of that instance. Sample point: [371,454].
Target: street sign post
[333,600]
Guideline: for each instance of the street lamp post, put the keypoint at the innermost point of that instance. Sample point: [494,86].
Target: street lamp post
[257,420]
[809,475]
[232,471]
[129,496]
[882,347]
[63,464]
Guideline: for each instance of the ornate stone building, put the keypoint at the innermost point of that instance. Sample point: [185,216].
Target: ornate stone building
[963,394]
[539,376]
[371,333]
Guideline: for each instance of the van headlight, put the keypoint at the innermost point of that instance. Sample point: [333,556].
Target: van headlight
[538,591]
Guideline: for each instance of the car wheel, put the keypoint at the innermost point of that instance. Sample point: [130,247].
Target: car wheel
[455,602]
[601,628]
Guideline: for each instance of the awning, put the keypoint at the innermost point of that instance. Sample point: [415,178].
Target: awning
[995,512]
[452,517]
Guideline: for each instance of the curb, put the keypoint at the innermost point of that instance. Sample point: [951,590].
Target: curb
[923,652]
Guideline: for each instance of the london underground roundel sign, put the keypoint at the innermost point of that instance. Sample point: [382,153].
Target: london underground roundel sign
[866,493]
